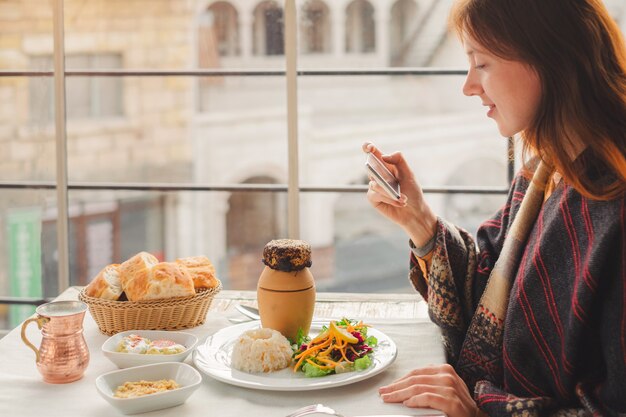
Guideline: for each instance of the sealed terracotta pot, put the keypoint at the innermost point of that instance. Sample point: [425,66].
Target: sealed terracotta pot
[286,289]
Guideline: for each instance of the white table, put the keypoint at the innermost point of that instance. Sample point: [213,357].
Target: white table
[401,317]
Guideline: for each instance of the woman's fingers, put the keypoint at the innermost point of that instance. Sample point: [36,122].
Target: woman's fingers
[410,391]
[369,147]
[376,194]
[430,370]
[395,162]
[447,403]
[434,380]
[436,397]
[417,379]
[403,170]
[437,386]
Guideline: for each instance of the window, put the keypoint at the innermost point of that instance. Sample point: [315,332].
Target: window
[269,29]
[201,168]
[360,27]
[403,26]
[315,30]
[87,97]
[220,25]
[244,231]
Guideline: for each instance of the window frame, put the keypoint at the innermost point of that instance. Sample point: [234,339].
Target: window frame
[292,188]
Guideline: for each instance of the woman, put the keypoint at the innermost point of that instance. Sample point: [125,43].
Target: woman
[533,312]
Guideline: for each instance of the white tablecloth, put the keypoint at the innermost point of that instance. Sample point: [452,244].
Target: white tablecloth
[24,394]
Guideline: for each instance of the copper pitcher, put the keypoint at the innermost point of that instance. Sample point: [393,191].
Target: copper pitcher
[63,355]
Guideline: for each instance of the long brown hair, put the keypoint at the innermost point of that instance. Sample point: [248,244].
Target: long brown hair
[578,52]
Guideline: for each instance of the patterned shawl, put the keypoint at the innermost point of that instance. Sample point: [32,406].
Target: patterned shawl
[487,325]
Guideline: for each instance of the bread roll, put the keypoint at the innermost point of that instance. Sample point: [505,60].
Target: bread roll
[163,280]
[202,271]
[106,284]
[137,267]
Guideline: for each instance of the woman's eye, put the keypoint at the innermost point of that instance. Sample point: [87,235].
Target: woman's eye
[479,66]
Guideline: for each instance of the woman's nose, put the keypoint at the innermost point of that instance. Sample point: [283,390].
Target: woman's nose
[471,86]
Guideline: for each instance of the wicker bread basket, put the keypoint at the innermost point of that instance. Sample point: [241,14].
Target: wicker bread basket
[167,314]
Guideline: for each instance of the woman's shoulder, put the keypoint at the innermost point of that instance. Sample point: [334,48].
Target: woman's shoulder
[605,219]
[611,210]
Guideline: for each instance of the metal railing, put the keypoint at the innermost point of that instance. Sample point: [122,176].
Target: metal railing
[421,71]
[36,301]
[275,188]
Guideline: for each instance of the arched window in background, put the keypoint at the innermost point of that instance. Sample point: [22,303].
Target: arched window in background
[225,26]
[402,27]
[315,29]
[208,52]
[252,217]
[360,27]
[268,29]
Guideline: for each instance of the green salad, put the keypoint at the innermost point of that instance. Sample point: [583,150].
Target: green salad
[342,346]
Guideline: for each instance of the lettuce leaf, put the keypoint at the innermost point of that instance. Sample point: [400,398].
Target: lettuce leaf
[362,363]
[311,371]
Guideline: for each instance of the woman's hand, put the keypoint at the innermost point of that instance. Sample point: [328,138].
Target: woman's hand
[411,211]
[438,387]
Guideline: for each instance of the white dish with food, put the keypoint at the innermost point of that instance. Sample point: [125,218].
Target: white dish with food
[166,347]
[214,358]
[185,376]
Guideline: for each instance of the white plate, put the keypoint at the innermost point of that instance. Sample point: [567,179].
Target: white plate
[126,360]
[186,376]
[213,358]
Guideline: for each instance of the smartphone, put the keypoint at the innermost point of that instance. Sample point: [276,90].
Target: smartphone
[383,176]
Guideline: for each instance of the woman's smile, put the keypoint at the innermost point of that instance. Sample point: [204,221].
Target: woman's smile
[491,109]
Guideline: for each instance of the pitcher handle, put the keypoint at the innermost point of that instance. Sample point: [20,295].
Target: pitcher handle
[40,322]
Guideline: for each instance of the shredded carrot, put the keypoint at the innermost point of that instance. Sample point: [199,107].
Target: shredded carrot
[306,353]
[343,355]
[353,351]
[327,351]
[314,348]
[321,347]
[326,360]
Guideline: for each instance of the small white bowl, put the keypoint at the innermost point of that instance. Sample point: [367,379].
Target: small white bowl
[126,360]
[186,376]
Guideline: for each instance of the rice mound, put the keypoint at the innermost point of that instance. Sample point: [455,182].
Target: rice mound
[261,350]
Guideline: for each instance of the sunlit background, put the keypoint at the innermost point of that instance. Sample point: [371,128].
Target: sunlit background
[232,129]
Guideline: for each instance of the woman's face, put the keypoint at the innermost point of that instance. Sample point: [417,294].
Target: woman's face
[510,89]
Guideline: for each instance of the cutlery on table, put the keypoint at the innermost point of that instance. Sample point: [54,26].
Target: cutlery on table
[322,409]
[314,409]
[247,311]
[253,313]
